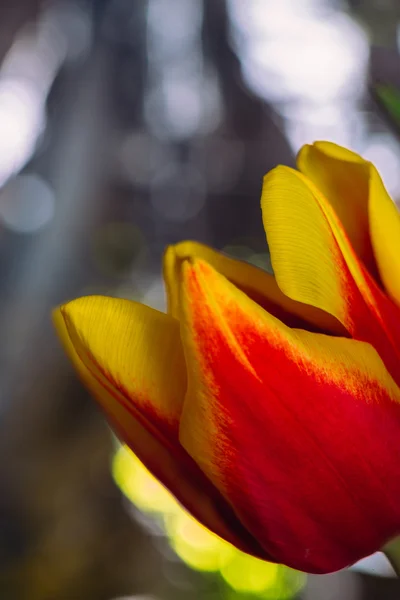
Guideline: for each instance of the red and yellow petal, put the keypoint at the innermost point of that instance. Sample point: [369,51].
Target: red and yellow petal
[315,263]
[289,425]
[130,357]
[256,283]
[370,218]
[137,351]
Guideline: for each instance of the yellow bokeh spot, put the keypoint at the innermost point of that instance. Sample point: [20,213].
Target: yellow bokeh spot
[197,546]
[137,483]
[247,574]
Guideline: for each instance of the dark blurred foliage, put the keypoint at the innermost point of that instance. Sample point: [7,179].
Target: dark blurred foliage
[126,126]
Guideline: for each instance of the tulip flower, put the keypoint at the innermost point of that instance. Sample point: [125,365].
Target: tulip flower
[269,404]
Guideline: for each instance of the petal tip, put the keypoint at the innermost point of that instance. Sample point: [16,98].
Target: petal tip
[303,150]
[275,171]
[68,317]
[59,323]
[61,326]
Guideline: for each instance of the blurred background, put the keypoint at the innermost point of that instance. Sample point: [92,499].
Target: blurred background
[125,126]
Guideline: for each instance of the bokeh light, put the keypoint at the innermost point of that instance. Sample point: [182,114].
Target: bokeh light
[21,122]
[26,76]
[139,486]
[383,150]
[195,545]
[309,59]
[27,204]
[245,573]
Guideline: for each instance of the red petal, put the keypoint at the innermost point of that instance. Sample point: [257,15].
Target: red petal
[300,431]
[130,357]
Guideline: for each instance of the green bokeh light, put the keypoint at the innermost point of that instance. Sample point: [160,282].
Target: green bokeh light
[196,546]
[245,573]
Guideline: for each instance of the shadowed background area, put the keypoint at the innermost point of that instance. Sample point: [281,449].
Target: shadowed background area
[126,126]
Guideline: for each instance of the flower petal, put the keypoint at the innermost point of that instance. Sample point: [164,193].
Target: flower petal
[343,178]
[371,220]
[315,263]
[256,283]
[289,425]
[130,357]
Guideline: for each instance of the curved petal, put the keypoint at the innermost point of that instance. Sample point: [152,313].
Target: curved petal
[256,283]
[369,216]
[130,357]
[343,178]
[289,425]
[315,263]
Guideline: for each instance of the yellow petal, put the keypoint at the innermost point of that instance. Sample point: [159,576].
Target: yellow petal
[342,177]
[371,220]
[130,357]
[256,283]
[315,263]
[384,222]
[135,349]
[308,263]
